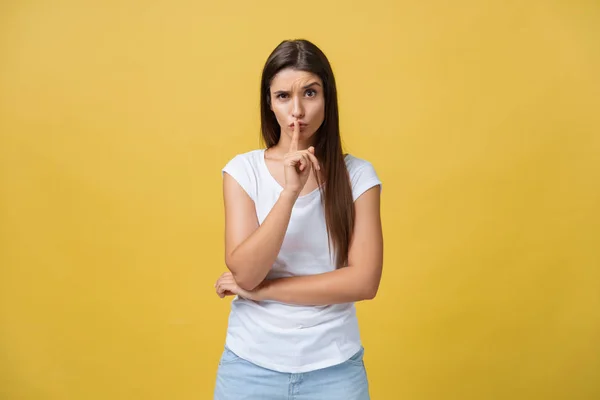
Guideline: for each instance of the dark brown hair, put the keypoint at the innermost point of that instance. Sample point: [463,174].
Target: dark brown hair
[336,191]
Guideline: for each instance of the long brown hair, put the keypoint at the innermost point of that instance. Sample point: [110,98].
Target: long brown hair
[336,191]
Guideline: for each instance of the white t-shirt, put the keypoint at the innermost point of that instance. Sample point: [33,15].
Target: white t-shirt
[285,337]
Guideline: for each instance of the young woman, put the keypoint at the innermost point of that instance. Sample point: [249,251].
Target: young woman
[303,244]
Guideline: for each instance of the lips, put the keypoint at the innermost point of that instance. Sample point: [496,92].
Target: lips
[302,124]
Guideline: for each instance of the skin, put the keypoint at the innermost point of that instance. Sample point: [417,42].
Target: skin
[297,98]
[299,106]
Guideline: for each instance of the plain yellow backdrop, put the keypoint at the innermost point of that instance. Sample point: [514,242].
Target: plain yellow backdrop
[481,119]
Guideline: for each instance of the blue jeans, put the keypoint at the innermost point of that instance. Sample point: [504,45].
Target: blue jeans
[238,379]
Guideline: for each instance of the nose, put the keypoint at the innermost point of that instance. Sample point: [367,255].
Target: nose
[297,108]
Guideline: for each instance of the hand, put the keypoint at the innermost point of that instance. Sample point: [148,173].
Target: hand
[298,164]
[227,286]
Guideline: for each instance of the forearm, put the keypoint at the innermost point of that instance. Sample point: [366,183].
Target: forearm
[343,285]
[251,261]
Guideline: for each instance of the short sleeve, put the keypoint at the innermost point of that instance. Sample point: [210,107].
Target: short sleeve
[363,178]
[240,169]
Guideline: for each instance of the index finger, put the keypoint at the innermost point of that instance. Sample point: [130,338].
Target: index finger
[295,137]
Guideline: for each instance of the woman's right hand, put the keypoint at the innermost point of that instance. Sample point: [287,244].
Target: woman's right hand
[298,164]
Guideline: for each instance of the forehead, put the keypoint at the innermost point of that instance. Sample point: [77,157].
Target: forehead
[289,78]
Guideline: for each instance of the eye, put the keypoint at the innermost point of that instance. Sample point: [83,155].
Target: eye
[311,93]
[282,95]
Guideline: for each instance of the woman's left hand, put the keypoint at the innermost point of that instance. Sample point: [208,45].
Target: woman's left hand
[227,286]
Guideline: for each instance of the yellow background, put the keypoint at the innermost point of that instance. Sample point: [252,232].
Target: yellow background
[482,119]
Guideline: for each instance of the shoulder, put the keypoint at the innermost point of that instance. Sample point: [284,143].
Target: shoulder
[251,157]
[244,163]
[354,163]
[362,175]
[244,168]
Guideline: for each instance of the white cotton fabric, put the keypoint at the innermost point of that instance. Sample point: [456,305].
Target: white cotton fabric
[283,337]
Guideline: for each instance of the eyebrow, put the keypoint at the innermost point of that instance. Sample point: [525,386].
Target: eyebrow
[311,84]
[303,87]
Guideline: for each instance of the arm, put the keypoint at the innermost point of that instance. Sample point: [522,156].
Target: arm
[358,281]
[250,249]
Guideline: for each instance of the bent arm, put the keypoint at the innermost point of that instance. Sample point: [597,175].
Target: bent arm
[250,249]
[356,282]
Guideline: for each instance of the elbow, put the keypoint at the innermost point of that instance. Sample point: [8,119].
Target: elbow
[243,280]
[366,280]
[370,292]
[370,287]
[366,291]
[246,284]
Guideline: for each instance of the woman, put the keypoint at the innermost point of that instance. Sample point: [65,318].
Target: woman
[303,244]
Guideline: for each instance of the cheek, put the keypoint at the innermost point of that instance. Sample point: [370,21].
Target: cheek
[317,110]
[279,111]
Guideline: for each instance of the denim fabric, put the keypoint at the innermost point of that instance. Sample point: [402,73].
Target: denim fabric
[238,379]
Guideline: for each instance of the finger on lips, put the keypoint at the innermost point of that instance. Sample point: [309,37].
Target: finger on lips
[295,137]
[305,157]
